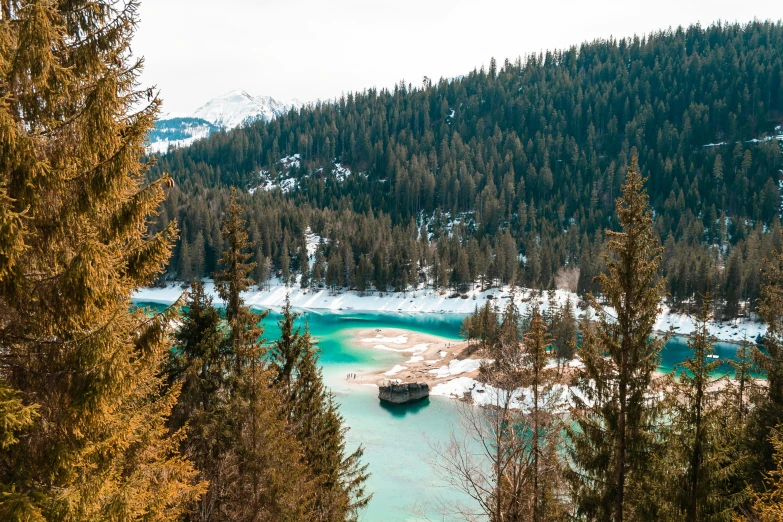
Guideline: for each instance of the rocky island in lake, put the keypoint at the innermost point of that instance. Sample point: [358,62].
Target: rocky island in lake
[402,393]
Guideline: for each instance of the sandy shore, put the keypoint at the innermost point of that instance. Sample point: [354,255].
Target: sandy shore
[422,357]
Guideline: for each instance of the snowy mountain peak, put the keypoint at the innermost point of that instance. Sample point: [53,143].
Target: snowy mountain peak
[237,107]
[224,112]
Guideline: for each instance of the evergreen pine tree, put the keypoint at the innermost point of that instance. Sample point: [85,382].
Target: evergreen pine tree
[565,333]
[201,362]
[235,276]
[185,267]
[309,408]
[304,265]
[84,432]
[742,389]
[269,478]
[198,255]
[285,263]
[732,290]
[544,433]
[466,329]
[613,417]
[768,406]
[695,445]
[768,504]
[266,477]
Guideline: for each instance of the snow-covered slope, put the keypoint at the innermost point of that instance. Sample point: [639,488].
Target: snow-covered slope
[238,107]
[224,112]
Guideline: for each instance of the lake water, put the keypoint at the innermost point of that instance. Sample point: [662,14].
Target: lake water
[397,440]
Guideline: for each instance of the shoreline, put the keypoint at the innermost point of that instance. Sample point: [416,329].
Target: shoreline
[449,368]
[428,301]
[675,333]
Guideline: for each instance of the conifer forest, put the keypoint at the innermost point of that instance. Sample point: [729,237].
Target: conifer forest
[595,188]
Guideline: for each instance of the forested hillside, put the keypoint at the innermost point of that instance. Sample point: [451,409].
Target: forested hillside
[509,174]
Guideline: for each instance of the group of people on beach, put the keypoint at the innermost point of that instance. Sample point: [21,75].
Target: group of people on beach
[351,376]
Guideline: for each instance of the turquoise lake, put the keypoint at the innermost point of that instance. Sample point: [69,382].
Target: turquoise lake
[397,440]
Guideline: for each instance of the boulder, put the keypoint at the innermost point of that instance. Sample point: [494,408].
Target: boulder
[402,393]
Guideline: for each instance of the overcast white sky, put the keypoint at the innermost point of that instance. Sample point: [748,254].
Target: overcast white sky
[317,49]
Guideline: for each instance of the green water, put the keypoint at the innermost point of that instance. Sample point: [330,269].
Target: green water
[397,439]
[677,350]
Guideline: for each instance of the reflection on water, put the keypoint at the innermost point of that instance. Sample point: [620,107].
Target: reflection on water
[401,410]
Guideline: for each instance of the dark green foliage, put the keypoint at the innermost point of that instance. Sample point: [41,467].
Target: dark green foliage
[200,359]
[309,408]
[237,267]
[562,326]
[699,436]
[614,418]
[526,161]
[201,362]
[484,327]
[767,405]
[262,427]
[545,469]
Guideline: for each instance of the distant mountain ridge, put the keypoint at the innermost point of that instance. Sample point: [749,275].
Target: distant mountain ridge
[238,107]
[222,113]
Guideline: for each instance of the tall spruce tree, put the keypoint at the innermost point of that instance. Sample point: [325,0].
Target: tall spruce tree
[770,309]
[83,407]
[544,433]
[202,362]
[235,261]
[563,331]
[309,408]
[765,408]
[613,417]
[737,436]
[200,357]
[697,452]
[267,476]
[743,389]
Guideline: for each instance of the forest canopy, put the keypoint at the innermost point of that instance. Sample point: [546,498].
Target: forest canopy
[510,173]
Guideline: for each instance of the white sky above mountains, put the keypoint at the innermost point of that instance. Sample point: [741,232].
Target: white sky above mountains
[196,50]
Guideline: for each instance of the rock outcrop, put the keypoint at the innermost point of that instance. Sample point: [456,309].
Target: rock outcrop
[402,393]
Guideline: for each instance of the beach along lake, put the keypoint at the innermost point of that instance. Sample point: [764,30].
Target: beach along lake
[398,440]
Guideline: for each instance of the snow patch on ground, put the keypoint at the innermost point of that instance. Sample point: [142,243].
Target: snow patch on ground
[163,146]
[397,368]
[733,331]
[457,366]
[431,301]
[285,181]
[341,172]
[291,162]
[388,349]
[560,398]
[313,242]
[573,363]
